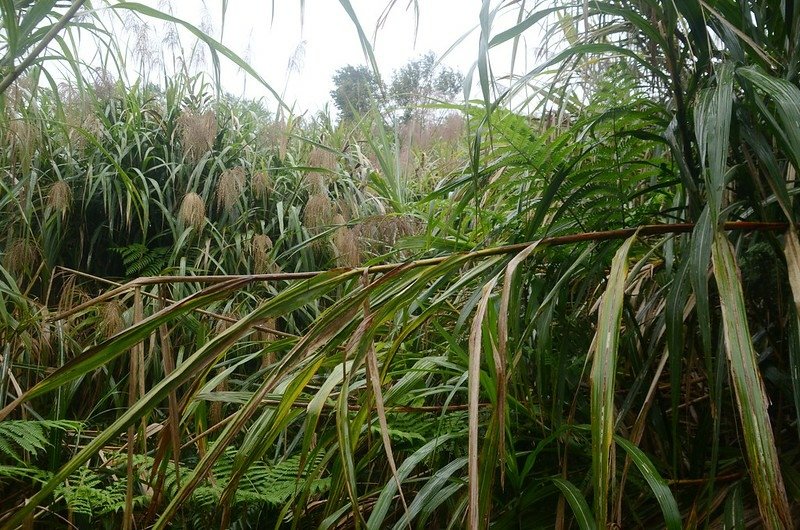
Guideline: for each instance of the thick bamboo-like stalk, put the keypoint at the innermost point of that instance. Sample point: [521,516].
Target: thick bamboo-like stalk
[645,230]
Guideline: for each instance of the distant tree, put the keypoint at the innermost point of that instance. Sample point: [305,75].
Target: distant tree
[356,90]
[420,80]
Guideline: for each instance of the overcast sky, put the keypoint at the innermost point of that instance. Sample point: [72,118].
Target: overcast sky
[327,39]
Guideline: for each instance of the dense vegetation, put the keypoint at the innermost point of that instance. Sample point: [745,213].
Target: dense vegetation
[570,302]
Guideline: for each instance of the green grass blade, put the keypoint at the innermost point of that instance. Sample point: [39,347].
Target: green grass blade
[281,304]
[381,509]
[787,98]
[700,257]
[366,46]
[792,253]
[112,348]
[520,28]
[604,367]
[576,500]
[669,507]
[749,388]
[712,122]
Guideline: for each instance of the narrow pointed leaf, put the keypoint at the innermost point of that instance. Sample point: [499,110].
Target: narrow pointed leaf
[751,396]
[603,374]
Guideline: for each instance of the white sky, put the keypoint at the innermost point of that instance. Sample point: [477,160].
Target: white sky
[330,40]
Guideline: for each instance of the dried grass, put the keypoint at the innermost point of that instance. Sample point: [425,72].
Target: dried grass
[198,132]
[268,358]
[193,211]
[111,318]
[220,325]
[216,407]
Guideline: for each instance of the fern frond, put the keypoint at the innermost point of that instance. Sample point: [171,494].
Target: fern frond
[21,436]
[140,260]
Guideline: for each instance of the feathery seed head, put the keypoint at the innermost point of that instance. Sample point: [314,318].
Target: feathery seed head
[229,188]
[104,85]
[261,184]
[322,158]
[20,257]
[20,91]
[345,247]
[193,211]
[111,318]
[316,183]
[59,199]
[261,246]
[198,131]
[22,136]
[383,231]
[317,212]
[92,125]
[276,135]
[344,208]
[71,294]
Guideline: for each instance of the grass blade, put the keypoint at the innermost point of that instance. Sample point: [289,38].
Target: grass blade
[669,507]
[473,385]
[576,500]
[792,253]
[749,388]
[604,367]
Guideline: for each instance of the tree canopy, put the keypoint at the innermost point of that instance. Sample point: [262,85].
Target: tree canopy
[358,89]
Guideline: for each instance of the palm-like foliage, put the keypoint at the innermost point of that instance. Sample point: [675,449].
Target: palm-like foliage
[531,385]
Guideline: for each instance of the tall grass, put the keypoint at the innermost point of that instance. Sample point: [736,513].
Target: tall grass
[547,351]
